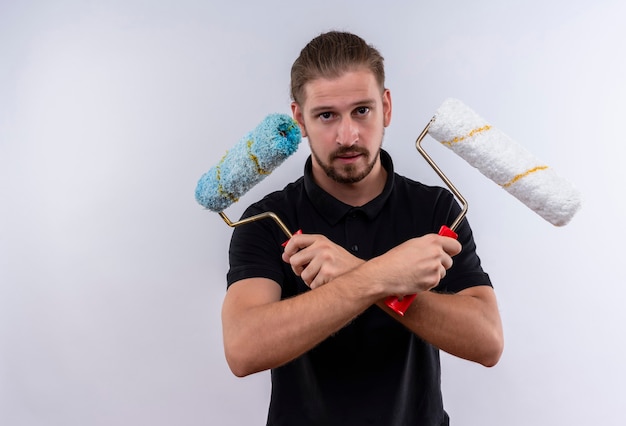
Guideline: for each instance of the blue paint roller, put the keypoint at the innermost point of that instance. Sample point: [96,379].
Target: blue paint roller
[252,159]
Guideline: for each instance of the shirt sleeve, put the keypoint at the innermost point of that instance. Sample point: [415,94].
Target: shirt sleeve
[256,250]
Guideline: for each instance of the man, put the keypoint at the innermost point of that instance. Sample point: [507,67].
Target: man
[313,312]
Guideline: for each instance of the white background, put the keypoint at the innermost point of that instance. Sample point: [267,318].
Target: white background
[112,277]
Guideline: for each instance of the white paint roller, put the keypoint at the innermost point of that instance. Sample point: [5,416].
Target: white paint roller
[505,162]
[502,160]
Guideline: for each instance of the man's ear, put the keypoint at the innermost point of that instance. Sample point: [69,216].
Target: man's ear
[296,111]
[386,107]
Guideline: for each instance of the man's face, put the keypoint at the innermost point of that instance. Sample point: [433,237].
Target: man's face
[344,120]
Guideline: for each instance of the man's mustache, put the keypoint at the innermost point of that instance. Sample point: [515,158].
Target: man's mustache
[350,150]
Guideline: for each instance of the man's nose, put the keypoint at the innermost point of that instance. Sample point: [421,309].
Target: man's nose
[347,132]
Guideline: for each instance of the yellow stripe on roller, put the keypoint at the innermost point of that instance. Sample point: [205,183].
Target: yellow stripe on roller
[474,132]
[486,128]
[523,175]
[255,160]
[220,189]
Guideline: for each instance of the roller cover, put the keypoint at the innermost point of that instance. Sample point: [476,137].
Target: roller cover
[254,157]
[505,162]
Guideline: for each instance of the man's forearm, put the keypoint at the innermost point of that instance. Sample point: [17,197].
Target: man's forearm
[466,324]
[267,335]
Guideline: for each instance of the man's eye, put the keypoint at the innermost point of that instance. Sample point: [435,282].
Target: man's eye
[326,115]
[362,111]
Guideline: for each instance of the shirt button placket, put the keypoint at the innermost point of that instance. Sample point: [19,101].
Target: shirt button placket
[352,231]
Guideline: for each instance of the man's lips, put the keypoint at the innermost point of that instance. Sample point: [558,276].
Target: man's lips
[348,157]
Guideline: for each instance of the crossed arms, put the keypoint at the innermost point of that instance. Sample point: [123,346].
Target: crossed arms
[261,331]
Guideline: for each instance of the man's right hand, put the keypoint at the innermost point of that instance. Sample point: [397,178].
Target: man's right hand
[416,265]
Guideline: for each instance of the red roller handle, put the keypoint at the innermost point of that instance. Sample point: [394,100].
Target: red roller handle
[401,305]
[299,231]
[447,232]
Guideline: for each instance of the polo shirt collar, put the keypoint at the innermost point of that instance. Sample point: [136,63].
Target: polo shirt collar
[333,209]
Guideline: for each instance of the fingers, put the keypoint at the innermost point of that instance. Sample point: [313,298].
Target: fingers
[441,249]
[312,275]
[317,260]
[451,246]
[312,256]
[293,252]
[296,243]
[302,259]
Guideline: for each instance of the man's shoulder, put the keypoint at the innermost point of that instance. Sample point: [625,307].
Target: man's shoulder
[279,199]
[404,183]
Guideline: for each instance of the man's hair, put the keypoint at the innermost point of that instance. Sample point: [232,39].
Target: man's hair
[331,54]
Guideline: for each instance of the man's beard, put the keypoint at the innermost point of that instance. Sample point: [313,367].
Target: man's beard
[348,173]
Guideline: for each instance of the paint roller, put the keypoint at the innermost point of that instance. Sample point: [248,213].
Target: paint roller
[502,160]
[253,158]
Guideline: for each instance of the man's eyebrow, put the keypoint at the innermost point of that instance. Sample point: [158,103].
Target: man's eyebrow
[320,109]
[324,108]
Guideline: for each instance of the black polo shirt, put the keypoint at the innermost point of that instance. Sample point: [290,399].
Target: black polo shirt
[373,371]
